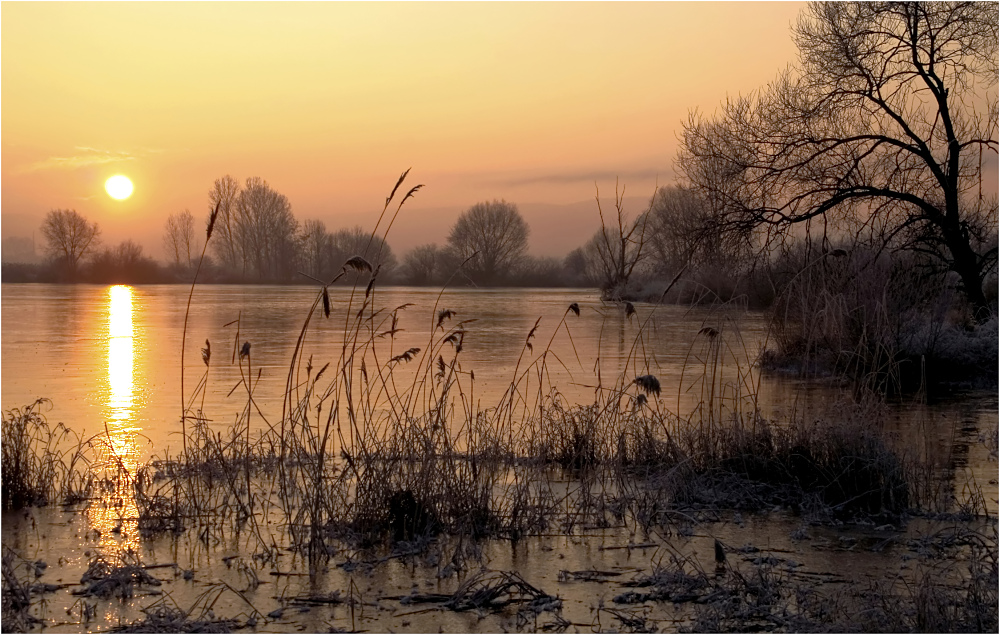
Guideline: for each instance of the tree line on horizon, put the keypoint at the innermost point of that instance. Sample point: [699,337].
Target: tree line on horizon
[258,239]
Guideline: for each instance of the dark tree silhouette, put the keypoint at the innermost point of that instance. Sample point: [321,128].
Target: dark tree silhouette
[315,248]
[682,233]
[422,265]
[493,237]
[885,119]
[69,236]
[179,237]
[347,243]
[227,243]
[618,248]
[266,230]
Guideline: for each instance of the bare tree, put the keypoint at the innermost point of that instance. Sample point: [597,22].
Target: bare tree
[227,243]
[69,236]
[316,247]
[179,237]
[492,236]
[422,265]
[347,243]
[683,232]
[616,250]
[578,266]
[886,119]
[266,230]
[680,224]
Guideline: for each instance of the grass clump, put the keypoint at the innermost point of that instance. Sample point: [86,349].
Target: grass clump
[117,578]
[167,619]
[15,598]
[40,463]
[843,467]
[165,616]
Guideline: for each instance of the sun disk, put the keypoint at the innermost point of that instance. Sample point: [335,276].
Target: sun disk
[119,187]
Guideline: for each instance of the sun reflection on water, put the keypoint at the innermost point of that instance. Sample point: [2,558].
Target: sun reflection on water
[121,351]
[116,516]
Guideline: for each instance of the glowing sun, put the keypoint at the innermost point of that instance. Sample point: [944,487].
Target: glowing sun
[119,187]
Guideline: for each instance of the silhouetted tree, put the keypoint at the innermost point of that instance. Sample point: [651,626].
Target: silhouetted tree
[266,230]
[179,237]
[347,243]
[422,265]
[578,269]
[493,236]
[226,241]
[683,232]
[885,120]
[616,250]
[69,236]
[124,263]
[316,249]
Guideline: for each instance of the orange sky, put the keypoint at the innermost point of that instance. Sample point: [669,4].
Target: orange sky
[329,102]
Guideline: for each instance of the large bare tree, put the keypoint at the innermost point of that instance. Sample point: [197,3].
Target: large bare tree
[266,229]
[422,265]
[227,242]
[69,236]
[315,248]
[179,237]
[345,243]
[492,236]
[887,118]
[681,230]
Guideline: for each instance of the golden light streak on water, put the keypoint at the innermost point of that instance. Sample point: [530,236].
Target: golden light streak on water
[116,516]
[121,351]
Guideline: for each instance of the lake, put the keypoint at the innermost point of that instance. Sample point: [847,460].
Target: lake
[110,356]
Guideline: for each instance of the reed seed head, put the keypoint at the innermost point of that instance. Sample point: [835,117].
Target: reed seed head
[445,314]
[648,384]
[211,222]
[358,264]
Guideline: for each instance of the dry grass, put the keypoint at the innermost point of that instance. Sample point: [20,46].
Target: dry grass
[42,464]
[118,577]
[16,596]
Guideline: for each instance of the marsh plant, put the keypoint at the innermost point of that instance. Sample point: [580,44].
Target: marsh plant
[42,463]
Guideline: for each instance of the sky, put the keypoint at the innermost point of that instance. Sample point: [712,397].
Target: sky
[535,103]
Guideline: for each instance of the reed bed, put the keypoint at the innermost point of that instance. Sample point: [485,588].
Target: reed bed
[380,445]
[42,463]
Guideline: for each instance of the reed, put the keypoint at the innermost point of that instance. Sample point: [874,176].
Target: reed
[42,463]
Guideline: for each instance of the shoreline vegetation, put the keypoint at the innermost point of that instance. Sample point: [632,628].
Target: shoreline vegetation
[364,464]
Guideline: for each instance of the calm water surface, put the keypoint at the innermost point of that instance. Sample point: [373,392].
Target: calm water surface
[113,354]
[110,356]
